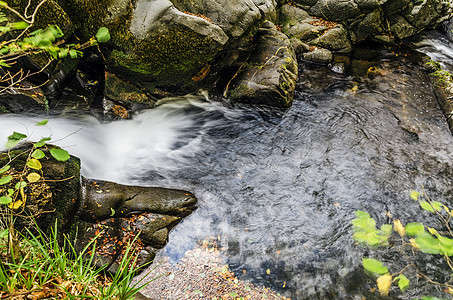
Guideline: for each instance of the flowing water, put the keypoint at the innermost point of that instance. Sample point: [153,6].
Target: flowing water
[279,188]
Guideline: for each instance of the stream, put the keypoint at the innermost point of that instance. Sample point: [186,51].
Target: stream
[279,188]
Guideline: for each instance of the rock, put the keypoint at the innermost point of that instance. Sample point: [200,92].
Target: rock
[319,55]
[124,211]
[299,46]
[335,39]
[268,77]
[305,31]
[335,10]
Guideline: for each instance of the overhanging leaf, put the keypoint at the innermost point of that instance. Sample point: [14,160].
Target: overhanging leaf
[33,177]
[374,266]
[413,229]
[38,154]
[426,206]
[59,154]
[5,179]
[403,282]
[42,123]
[15,205]
[384,283]
[14,139]
[41,142]
[103,35]
[34,164]
[4,169]
[5,200]
[20,185]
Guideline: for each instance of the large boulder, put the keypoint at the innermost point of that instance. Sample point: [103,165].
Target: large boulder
[268,76]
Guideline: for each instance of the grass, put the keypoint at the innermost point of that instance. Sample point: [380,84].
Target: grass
[34,266]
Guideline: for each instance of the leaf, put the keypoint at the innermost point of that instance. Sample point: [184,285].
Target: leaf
[14,139]
[413,229]
[374,266]
[5,179]
[414,195]
[41,142]
[103,35]
[112,212]
[15,205]
[398,227]
[4,169]
[362,214]
[34,164]
[437,205]
[38,154]
[33,177]
[386,229]
[233,294]
[403,282]
[268,271]
[73,53]
[425,242]
[384,283]
[5,200]
[426,206]
[4,233]
[3,4]
[20,185]
[42,123]
[20,25]
[59,154]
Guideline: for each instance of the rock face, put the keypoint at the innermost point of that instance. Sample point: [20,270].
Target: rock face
[162,48]
[269,74]
[88,208]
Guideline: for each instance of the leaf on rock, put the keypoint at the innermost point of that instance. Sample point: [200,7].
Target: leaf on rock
[426,206]
[33,163]
[5,179]
[398,227]
[38,154]
[403,282]
[374,266]
[33,177]
[59,154]
[413,229]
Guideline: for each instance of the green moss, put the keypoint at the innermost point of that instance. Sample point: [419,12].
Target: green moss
[242,91]
[3,109]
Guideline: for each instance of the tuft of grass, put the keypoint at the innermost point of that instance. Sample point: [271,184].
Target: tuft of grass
[36,266]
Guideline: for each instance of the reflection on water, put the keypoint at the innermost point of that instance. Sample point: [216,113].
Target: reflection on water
[280,187]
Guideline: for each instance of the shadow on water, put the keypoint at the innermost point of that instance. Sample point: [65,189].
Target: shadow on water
[280,187]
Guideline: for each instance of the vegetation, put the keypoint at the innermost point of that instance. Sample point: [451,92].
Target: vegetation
[414,238]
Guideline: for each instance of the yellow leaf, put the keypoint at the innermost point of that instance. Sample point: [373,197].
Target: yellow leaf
[33,177]
[432,231]
[384,283]
[414,243]
[268,271]
[398,227]
[15,205]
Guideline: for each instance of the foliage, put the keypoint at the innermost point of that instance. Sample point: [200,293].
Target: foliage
[32,172]
[46,269]
[18,41]
[418,236]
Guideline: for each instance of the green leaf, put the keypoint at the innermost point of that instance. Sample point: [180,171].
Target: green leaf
[5,179]
[43,122]
[426,206]
[10,192]
[112,212]
[3,64]
[5,200]
[73,53]
[14,139]
[55,31]
[437,205]
[233,294]
[427,243]
[59,154]
[20,185]
[34,164]
[4,233]
[4,169]
[365,224]
[20,25]
[38,154]
[374,266]
[386,229]
[103,35]
[33,177]
[41,142]
[362,214]
[403,282]
[414,195]
[413,229]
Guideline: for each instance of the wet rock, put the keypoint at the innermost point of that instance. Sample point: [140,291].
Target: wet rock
[268,77]
[319,55]
[335,39]
[119,212]
[299,46]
